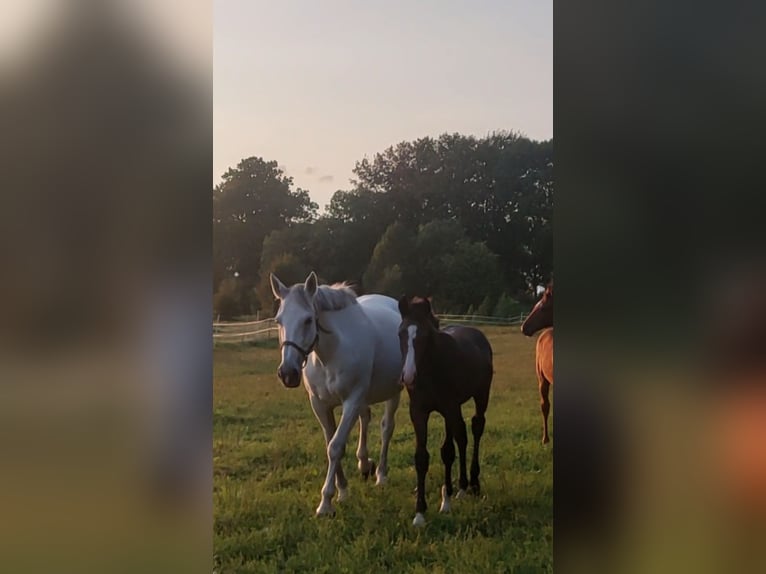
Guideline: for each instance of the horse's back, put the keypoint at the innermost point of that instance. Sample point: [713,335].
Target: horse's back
[375,300]
[472,336]
[544,354]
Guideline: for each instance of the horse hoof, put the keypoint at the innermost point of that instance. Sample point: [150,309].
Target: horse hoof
[382,480]
[419,521]
[460,494]
[546,440]
[342,494]
[445,506]
[325,510]
[370,469]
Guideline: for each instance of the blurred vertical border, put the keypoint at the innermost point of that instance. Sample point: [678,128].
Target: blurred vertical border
[660,399]
[105,348]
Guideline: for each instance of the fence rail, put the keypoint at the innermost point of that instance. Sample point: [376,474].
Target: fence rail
[482,319]
[242,332]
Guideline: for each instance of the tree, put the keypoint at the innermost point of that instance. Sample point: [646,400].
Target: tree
[498,188]
[486,307]
[254,199]
[396,249]
[507,307]
[289,269]
[226,301]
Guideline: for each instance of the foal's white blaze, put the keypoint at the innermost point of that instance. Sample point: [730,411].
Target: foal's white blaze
[408,373]
[445,507]
[419,520]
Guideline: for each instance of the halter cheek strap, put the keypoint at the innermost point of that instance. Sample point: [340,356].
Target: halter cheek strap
[306,352]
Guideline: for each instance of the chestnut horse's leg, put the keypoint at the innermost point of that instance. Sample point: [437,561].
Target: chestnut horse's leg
[419,419]
[545,405]
[477,430]
[448,457]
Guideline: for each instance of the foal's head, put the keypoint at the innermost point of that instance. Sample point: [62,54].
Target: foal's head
[298,328]
[416,333]
[541,315]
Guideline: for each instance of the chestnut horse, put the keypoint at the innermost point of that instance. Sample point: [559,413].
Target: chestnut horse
[541,317]
[442,370]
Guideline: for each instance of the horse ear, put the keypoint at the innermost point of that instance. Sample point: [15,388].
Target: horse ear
[277,287]
[311,284]
[404,306]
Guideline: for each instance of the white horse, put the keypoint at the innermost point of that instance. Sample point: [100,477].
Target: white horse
[348,350]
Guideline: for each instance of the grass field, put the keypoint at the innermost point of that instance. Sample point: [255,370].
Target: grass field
[270,463]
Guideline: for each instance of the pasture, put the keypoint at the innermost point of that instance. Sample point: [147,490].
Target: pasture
[269,465]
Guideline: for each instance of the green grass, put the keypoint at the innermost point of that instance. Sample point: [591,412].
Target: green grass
[270,463]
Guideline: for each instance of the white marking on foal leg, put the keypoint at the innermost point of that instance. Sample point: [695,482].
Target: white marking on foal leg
[419,520]
[445,507]
[460,494]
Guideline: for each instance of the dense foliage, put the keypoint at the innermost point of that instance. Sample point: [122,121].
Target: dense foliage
[466,220]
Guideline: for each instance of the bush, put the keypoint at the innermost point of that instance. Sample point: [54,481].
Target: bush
[226,301]
[507,307]
[485,309]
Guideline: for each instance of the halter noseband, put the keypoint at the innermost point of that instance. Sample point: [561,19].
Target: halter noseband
[305,352]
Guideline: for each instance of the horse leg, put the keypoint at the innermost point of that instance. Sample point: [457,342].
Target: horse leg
[419,419]
[448,457]
[366,466]
[326,418]
[461,438]
[545,405]
[386,432]
[477,430]
[335,449]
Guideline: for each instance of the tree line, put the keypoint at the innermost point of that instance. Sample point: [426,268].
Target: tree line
[463,219]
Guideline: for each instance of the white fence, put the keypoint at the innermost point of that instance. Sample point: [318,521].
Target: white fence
[241,332]
[482,320]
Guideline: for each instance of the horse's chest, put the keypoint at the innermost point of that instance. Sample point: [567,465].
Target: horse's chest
[329,385]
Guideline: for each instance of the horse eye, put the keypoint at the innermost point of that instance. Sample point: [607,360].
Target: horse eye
[307,321]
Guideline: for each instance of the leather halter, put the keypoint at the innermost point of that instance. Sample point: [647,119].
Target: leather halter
[305,352]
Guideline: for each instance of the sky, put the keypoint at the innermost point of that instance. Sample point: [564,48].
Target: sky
[317,86]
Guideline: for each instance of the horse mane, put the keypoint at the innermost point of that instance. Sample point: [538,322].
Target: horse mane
[334,297]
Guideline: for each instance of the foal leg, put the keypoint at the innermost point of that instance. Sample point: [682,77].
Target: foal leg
[386,431]
[477,430]
[335,450]
[326,418]
[545,406]
[420,422]
[461,438]
[366,466]
[448,457]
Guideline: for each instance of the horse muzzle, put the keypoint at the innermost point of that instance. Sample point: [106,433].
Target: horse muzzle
[290,378]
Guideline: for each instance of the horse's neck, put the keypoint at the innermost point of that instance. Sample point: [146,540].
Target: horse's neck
[337,323]
[440,355]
